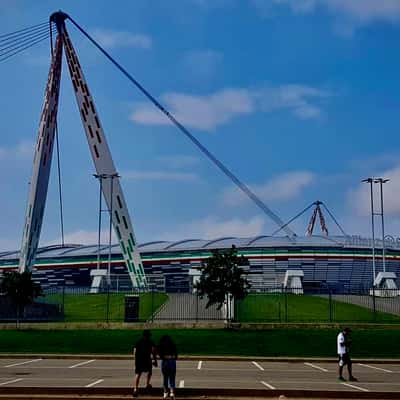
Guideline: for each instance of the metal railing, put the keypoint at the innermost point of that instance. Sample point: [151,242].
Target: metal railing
[274,304]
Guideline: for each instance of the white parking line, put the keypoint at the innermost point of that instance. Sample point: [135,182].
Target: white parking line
[22,363]
[200,364]
[316,367]
[372,367]
[81,363]
[258,365]
[13,381]
[355,387]
[268,385]
[181,384]
[95,383]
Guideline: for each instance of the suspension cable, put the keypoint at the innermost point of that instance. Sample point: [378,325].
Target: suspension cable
[22,36]
[294,218]
[334,220]
[186,132]
[22,48]
[21,43]
[19,32]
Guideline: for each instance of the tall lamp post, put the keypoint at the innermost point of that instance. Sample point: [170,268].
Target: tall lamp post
[381,181]
[112,177]
[100,177]
[370,181]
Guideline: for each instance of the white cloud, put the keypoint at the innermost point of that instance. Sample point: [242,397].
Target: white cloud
[116,39]
[296,98]
[351,13]
[201,112]
[212,228]
[202,64]
[360,198]
[21,151]
[281,188]
[82,236]
[178,161]
[207,112]
[160,175]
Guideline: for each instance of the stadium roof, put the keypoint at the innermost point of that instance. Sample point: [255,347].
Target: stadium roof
[263,241]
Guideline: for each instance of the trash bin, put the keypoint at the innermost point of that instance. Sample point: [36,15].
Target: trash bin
[132,308]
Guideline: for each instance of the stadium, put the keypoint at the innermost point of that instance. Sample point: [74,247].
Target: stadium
[339,262]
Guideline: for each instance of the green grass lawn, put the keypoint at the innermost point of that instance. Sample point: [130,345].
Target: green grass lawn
[299,308]
[93,307]
[274,342]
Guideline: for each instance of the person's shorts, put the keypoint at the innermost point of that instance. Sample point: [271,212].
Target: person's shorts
[143,366]
[344,359]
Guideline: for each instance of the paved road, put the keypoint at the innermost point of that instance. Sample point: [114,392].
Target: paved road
[36,372]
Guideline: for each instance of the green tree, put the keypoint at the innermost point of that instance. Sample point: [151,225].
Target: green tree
[223,278]
[21,289]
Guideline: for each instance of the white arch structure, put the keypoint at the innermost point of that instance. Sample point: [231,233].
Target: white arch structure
[99,150]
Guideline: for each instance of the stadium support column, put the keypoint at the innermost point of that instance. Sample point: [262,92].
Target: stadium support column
[104,166]
[41,164]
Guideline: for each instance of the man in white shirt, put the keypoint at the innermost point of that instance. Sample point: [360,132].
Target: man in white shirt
[343,349]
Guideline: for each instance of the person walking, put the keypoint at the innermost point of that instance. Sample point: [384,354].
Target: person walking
[144,351]
[343,350]
[168,354]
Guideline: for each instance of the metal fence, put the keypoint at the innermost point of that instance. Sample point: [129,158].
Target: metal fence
[275,304]
[278,304]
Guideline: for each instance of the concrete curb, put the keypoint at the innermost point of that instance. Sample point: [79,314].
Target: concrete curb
[196,358]
[104,393]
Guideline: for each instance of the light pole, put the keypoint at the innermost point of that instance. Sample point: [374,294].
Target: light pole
[370,181]
[381,181]
[100,177]
[112,176]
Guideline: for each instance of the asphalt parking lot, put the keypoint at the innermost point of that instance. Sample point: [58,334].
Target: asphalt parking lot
[66,373]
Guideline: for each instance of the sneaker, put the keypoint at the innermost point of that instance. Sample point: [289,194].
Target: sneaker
[165,396]
[353,379]
[341,379]
[172,396]
[135,394]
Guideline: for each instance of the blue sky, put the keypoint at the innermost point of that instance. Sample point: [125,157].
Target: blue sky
[299,98]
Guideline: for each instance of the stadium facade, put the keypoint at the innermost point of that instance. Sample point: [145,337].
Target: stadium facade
[339,262]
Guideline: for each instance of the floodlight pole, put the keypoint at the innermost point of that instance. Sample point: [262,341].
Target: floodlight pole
[381,181]
[370,181]
[100,177]
[111,176]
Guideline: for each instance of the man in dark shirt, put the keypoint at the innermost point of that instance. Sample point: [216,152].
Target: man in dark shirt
[144,350]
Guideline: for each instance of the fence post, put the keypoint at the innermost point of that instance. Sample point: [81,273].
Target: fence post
[108,304]
[373,302]
[286,305]
[197,306]
[330,305]
[152,303]
[63,300]
[279,311]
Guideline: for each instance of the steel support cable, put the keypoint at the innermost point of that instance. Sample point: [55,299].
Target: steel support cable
[27,42]
[22,31]
[60,200]
[334,220]
[23,48]
[203,149]
[294,218]
[22,36]
[21,42]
